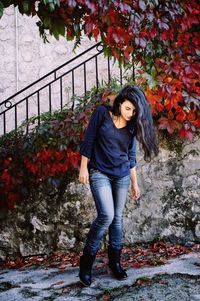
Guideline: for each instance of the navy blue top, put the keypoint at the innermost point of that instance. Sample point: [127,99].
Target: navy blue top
[110,150]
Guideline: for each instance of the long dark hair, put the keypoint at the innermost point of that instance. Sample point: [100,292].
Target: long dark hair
[142,121]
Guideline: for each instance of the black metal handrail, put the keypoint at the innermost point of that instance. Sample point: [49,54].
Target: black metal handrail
[52,72]
[15,104]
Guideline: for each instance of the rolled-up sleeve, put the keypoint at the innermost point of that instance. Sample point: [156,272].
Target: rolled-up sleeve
[91,131]
[132,152]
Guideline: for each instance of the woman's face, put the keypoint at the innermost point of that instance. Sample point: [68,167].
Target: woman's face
[127,110]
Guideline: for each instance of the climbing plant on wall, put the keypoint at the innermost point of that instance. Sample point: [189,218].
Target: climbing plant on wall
[48,156]
[162,37]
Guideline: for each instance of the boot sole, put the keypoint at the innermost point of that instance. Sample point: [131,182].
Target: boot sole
[110,272]
[86,285]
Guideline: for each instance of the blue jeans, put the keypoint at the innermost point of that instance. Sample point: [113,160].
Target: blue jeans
[109,194]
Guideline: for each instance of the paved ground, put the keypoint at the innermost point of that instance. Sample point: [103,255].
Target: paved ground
[177,280]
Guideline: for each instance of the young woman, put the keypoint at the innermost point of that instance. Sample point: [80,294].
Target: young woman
[108,164]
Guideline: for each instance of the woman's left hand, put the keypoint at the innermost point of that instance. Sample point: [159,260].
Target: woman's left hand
[135,191]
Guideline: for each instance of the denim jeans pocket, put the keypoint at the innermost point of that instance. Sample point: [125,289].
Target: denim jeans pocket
[93,170]
[96,175]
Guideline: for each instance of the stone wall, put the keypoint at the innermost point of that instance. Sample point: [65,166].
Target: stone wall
[169,208]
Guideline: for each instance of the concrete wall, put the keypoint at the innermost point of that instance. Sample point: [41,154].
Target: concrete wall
[25,58]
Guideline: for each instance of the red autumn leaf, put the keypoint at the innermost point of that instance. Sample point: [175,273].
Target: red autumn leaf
[170,115]
[191,116]
[66,290]
[128,51]
[105,297]
[152,32]
[186,134]
[144,281]
[40,259]
[167,34]
[168,104]
[5,176]
[101,266]
[89,27]
[57,283]
[169,125]
[181,116]
[196,123]
[112,15]
[59,155]
[95,33]
[7,162]
[136,265]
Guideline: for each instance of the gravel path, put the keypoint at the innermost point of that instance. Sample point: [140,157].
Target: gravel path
[177,280]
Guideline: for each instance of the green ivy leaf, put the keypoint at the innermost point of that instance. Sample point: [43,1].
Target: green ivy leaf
[46,22]
[151,81]
[58,28]
[26,7]
[63,147]
[1,9]
[52,4]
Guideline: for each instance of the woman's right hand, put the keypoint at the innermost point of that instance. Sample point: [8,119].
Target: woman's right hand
[84,175]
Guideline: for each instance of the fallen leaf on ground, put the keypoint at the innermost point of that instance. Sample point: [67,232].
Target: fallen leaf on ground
[106,297]
[66,290]
[137,256]
[144,281]
[57,283]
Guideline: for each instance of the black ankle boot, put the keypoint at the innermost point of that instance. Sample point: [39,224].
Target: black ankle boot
[86,262]
[114,263]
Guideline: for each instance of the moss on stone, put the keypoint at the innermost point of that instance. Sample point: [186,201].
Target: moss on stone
[171,142]
[5,286]
[27,293]
[193,152]
[53,297]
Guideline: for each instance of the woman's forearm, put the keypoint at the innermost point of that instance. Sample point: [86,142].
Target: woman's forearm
[133,175]
[134,185]
[84,162]
[83,173]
